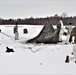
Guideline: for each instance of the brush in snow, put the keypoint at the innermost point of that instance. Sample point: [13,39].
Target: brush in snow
[9,50]
[67,59]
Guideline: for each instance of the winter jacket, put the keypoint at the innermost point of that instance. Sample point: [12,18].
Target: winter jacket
[15,29]
[70,29]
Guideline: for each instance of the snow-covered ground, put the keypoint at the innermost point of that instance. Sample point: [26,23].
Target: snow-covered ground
[33,58]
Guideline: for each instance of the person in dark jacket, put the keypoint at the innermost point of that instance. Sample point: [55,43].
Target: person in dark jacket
[16,32]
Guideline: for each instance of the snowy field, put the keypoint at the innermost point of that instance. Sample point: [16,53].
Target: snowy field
[33,58]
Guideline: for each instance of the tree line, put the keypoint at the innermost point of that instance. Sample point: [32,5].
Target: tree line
[39,21]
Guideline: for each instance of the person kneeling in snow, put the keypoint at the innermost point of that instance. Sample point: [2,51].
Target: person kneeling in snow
[73,53]
[16,32]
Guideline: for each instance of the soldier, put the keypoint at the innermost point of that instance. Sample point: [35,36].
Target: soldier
[61,30]
[16,32]
[68,33]
[73,34]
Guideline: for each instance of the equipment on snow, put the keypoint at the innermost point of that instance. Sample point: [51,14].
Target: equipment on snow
[25,31]
[9,50]
[67,59]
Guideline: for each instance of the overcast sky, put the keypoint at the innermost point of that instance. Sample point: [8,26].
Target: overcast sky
[36,8]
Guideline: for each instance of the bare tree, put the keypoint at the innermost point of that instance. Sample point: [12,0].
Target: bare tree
[64,15]
[56,15]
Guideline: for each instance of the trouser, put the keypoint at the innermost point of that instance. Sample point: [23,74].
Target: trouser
[60,37]
[67,38]
[16,36]
[74,51]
